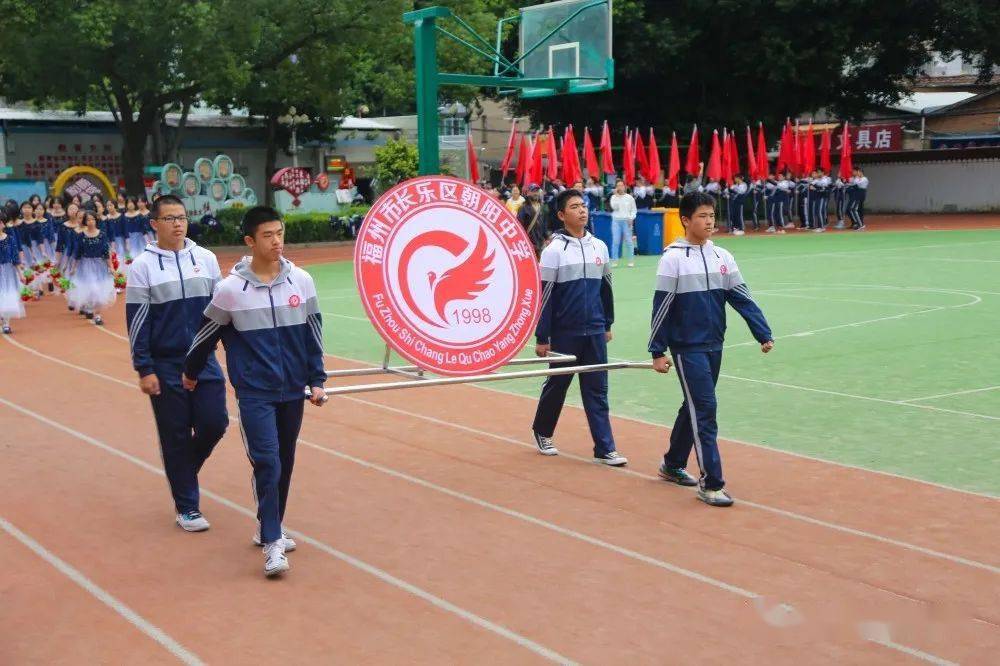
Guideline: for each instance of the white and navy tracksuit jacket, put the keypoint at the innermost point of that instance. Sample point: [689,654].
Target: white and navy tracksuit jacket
[164,300]
[857,192]
[693,285]
[577,311]
[273,337]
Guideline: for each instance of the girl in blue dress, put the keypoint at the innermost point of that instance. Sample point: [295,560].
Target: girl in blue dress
[116,229]
[11,305]
[92,275]
[135,226]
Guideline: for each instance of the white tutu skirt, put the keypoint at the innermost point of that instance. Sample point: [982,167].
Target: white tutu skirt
[136,244]
[92,287]
[11,305]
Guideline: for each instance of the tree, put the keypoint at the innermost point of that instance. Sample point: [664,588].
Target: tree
[395,161]
[141,58]
[732,62]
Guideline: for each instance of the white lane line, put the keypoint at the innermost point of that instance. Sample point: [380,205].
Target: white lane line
[898,403]
[343,316]
[948,395]
[370,569]
[975,300]
[142,624]
[850,253]
[769,292]
[763,507]
[786,609]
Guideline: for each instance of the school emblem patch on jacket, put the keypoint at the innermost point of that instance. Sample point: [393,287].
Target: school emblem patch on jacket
[294,300]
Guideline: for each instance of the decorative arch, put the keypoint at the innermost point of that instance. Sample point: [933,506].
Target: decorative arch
[60,183]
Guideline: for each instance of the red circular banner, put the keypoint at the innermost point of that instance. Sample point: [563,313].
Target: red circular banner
[447,276]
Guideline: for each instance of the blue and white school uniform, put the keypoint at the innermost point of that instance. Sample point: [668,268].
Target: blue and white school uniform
[858,190]
[737,195]
[11,305]
[92,286]
[693,285]
[273,337]
[166,295]
[820,201]
[117,236]
[577,311]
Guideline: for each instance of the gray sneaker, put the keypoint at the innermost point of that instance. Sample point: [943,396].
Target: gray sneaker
[677,475]
[545,445]
[192,521]
[715,497]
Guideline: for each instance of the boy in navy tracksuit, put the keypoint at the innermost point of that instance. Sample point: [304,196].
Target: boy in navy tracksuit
[267,316]
[577,313]
[694,281]
[169,285]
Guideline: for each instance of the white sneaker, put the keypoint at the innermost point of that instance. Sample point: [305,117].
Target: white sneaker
[738,232]
[631,264]
[192,521]
[614,264]
[275,562]
[819,230]
[545,445]
[290,545]
[612,458]
[770,230]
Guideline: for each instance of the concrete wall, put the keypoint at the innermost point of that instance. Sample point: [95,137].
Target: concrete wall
[934,187]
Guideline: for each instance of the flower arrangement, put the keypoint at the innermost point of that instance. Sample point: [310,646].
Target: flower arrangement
[26,294]
[27,276]
[119,280]
[55,273]
[64,284]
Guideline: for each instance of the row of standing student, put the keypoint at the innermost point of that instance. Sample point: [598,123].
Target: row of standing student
[776,201]
[77,249]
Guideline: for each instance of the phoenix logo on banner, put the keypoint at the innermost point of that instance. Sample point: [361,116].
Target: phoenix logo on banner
[447,276]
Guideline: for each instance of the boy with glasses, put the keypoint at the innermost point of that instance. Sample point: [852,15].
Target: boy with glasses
[169,286]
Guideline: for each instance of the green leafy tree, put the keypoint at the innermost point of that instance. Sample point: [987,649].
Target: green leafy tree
[143,57]
[395,161]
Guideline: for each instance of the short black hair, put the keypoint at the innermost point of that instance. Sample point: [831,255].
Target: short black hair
[563,197]
[166,200]
[692,201]
[257,216]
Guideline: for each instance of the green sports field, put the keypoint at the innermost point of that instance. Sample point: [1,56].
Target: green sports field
[887,350]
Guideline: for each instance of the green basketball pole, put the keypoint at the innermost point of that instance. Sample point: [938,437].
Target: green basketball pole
[428,78]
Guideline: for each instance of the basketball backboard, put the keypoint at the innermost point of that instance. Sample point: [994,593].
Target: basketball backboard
[567,39]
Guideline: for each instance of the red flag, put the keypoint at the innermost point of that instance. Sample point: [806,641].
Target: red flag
[762,161]
[654,159]
[523,161]
[796,151]
[674,170]
[785,149]
[809,151]
[567,161]
[509,153]
[628,159]
[715,158]
[575,156]
[470,152]
[752,171]
[607,164]
[726,174]
[642,155]
[535,176]
[589,156]
[824,152]
[734,156]
[552,167]
[846,167]
[693,161]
